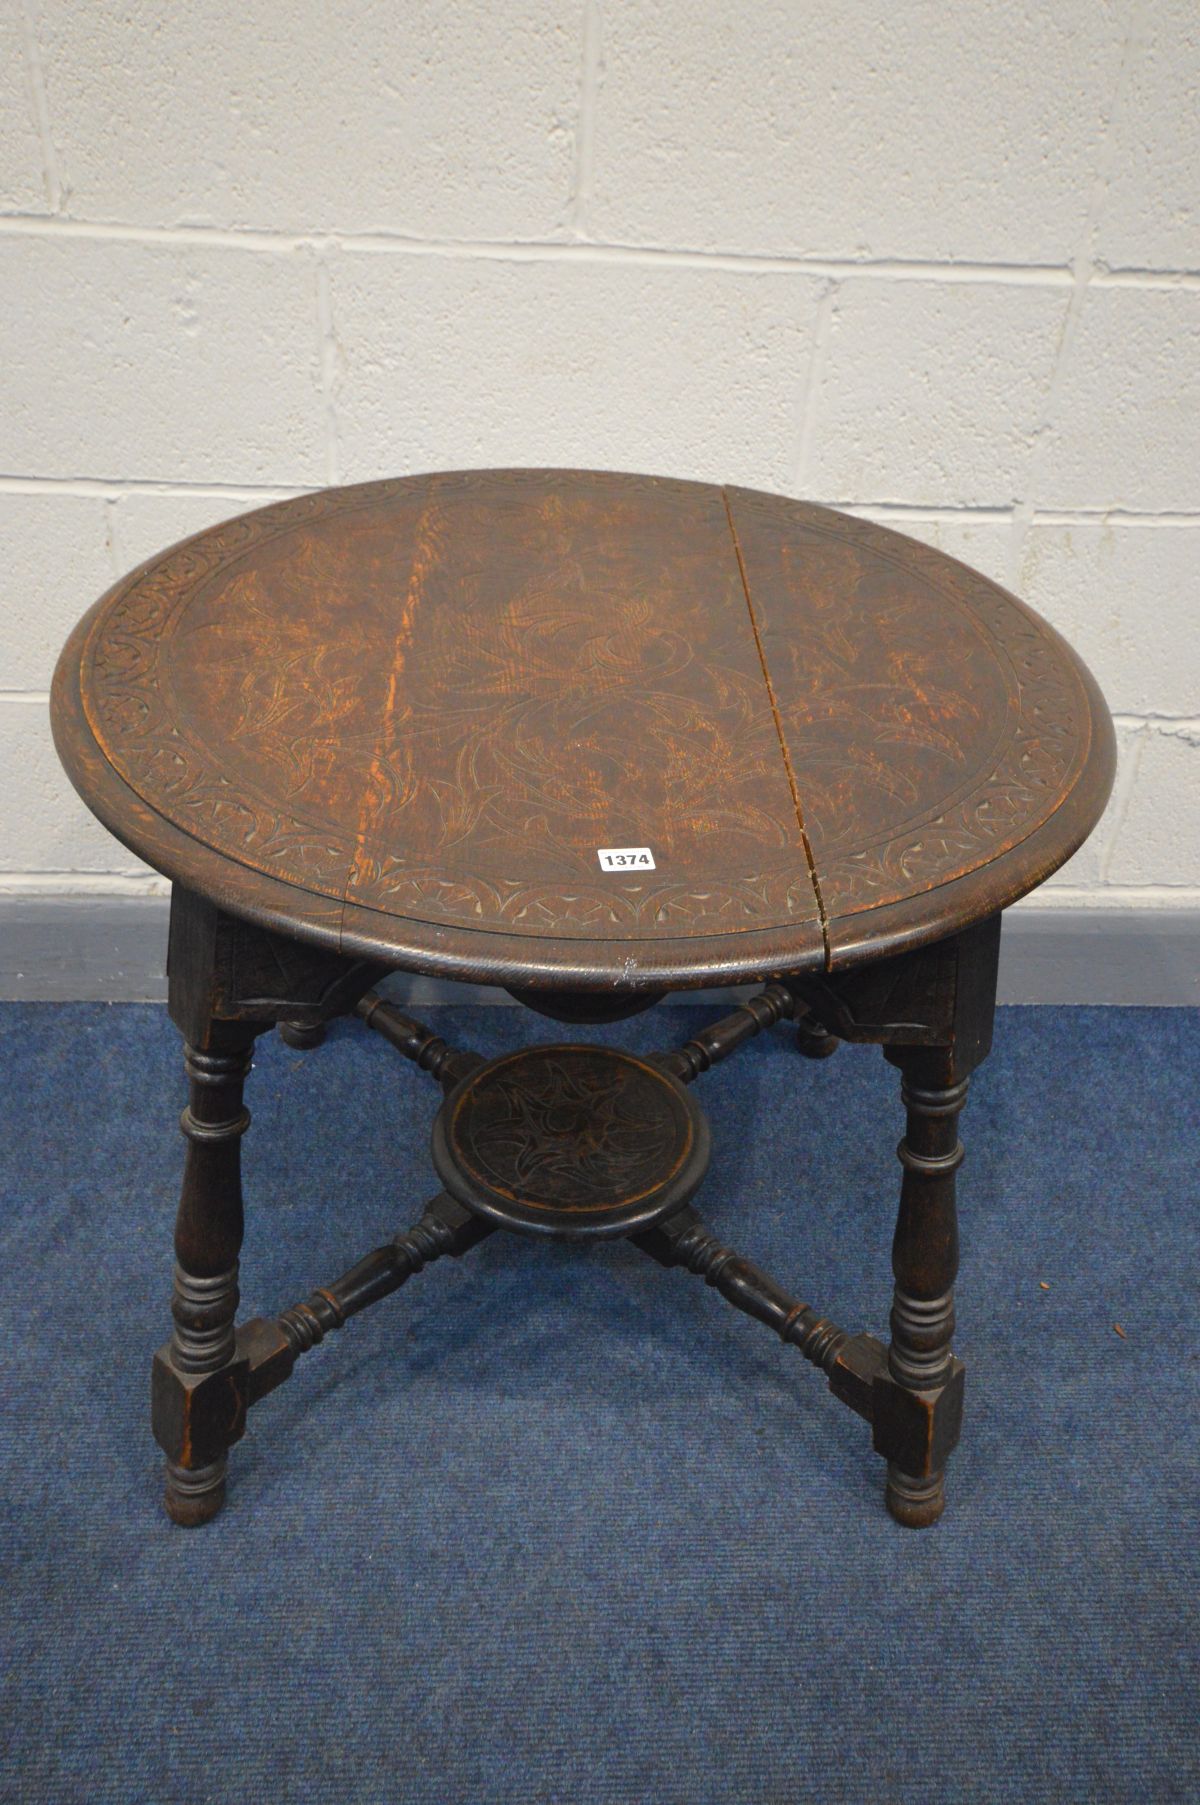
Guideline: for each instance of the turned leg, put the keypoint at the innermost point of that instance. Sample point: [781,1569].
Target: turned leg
[199,1389]
[920,1413]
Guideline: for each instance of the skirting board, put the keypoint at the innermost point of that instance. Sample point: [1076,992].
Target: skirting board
[111,949]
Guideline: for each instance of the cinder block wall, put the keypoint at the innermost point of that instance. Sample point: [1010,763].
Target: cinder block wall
[939,264]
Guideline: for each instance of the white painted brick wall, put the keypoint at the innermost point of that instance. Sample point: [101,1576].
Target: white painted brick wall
[1131,591]
[425,117]
[937,264]
[930,392]
[21,184]
[480,361]
[1151,214]
[181,362]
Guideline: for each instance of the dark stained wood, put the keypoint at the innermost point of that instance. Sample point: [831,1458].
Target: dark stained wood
[271,1346]
[933,722]
[199,1397]
[853,1365]
[711,1045]
[814,1041]
[223,969]
[571,1141]
[581,1007]
[302,1036]
[920,1425]
[937,996]
[391,727]
[402,719]
[427,1050]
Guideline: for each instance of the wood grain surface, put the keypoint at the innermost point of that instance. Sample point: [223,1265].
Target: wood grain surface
[405,718]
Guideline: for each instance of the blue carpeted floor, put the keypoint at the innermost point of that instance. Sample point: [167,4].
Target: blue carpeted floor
[558,1526]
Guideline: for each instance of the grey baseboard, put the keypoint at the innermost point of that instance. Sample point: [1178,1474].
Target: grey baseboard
[1149,957]
[111,949]
[93,949]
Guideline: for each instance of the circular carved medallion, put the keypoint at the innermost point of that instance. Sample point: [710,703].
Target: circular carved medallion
[570,1140]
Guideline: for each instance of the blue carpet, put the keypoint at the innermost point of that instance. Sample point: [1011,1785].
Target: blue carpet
[558,1526]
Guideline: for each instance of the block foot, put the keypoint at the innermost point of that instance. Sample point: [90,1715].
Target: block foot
[915,1502]
[194,1495]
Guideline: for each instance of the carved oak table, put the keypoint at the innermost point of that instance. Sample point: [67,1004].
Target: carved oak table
[592,738]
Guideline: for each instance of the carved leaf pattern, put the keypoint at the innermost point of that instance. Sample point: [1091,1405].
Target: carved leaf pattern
[578,717]
[571,1129]
[935,721]
[438,696]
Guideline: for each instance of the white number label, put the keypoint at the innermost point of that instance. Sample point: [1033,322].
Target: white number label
[625,858]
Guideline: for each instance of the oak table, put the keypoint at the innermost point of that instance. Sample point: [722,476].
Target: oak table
[592,738]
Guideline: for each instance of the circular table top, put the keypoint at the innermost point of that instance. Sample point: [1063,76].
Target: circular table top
[570,728]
